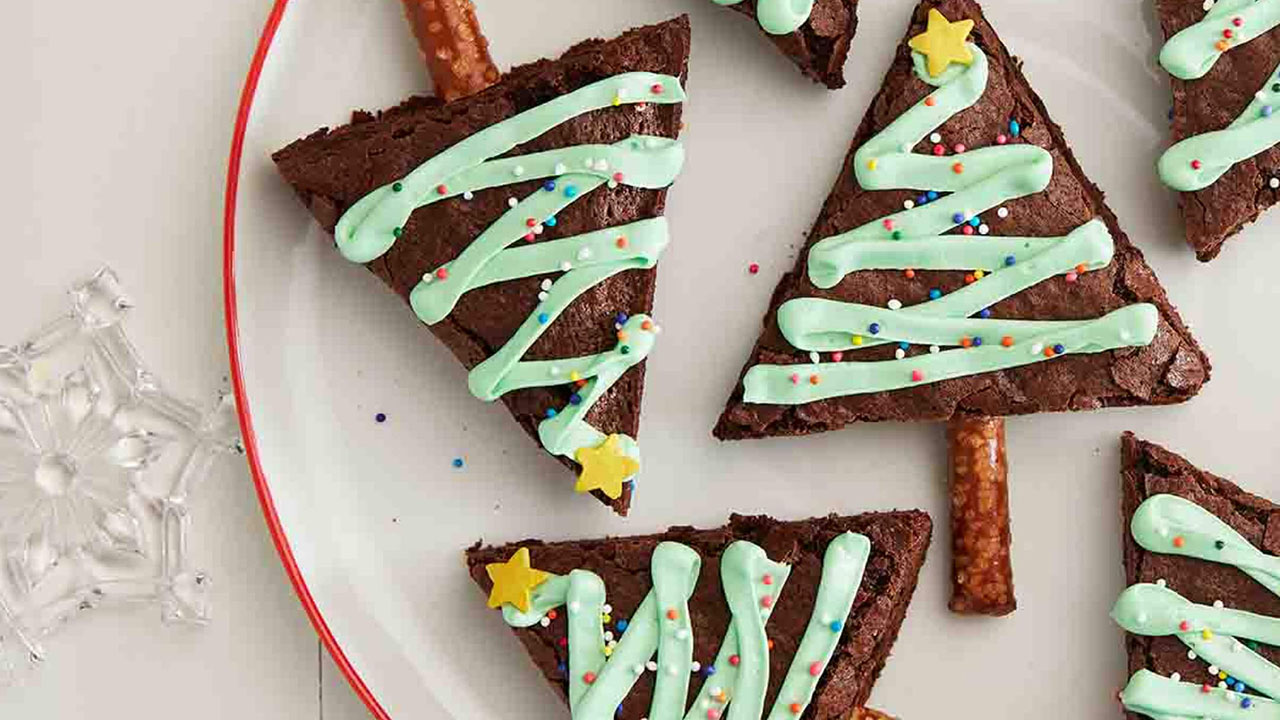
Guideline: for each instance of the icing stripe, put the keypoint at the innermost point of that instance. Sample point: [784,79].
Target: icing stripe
[1201,160]
[661,625]
[913,239]
[369,228]
[778,17]
[1172,525]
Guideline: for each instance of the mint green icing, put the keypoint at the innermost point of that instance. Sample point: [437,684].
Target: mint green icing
[1192,53]
[369,228]
[1172,525]
[1189,55]
[1164,699]
[990,177]
[778,17]
[652,635]
[842,568]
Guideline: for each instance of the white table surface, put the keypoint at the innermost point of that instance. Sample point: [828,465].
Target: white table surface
[124,110]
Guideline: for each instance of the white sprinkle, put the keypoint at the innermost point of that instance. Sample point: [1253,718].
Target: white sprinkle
[653,142]
[1236,645]
[905,147]
[1260,95]
[1161,582]
[1162,531]
[622,92]
[608,636]
[1230,696]
[1222,684]
[1037,348]
[555,370]
[612,644]
[612,184]
[651,666]
[575,606]
[934,349]
[1218,604]
[546,284]
[545,622]
[983,229]
[706,703]
[824,620]
[512,202]
[814,357]
[899,353]
[584,253]
[657,329]
[638,669]
[1191,654]
[588,162]
[606,608]
[427,278]
[1002,212]
[1273,183]
[537,229]
[1208,5]
[517,170]
[895,304]
[542,297]
[696,666]
[935,138]
[601,165]
[1176,677]
[559,169]
[908,204]
[682,634]
[468,195]
[714,691]
[672,669]
[1213,669]
[1143,618]
[566,266]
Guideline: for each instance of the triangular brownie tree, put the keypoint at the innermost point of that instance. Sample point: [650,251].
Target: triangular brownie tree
[963,268]
[522,224]
[815,34]
[1222,60]
[794,618]
[1202,609]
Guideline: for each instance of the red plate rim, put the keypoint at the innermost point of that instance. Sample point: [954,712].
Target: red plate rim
[247,95]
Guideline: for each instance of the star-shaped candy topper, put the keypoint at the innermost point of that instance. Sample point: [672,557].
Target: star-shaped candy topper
[605,468]
[943,43]
[514,581]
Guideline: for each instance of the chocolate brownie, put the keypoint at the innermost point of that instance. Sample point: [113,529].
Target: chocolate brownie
[899,541]
[1171,369]
[1148,469]
[821,45]
[333,168]
[1211,103]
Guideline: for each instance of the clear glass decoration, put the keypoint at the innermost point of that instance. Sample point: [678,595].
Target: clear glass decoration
[97,466]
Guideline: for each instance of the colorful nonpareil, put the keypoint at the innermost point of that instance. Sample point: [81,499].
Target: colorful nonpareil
[960,188]
[506,251]
[1201,160]
[658,636]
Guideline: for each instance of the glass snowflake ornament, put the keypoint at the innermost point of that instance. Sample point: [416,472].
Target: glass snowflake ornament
[97,466]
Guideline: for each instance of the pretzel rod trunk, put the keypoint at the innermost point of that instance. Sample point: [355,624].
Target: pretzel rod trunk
[455,51]
[982,574]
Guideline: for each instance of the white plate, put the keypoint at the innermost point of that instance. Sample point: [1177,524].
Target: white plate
[375,517]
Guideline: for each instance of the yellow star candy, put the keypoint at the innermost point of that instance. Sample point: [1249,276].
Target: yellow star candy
[513,581]
[604,468]
[943,43]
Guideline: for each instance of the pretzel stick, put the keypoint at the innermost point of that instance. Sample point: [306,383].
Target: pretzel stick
[452,46]
[982,574]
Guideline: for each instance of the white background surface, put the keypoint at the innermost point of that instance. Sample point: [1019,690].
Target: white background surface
[113,148]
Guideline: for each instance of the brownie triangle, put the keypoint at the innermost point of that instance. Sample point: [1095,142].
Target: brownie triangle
[1007,115]
[331,169]
[820,46]
[1210,103]
[862,638]
[1150,471]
